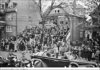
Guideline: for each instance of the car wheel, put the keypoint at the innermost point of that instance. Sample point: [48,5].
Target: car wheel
[91,66]
[73,64]
[40,64]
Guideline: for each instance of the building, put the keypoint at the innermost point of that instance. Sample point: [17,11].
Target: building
[2,18]
[66,20]
[59,16]
[17,18]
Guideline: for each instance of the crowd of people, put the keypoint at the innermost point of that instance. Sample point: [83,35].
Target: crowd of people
[30,38]
[54,41]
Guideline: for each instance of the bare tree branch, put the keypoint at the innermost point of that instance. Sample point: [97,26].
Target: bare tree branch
[52,3]
[38,3]
[49,9]
[95,3]
[35,2]
[39,6]
[45,14]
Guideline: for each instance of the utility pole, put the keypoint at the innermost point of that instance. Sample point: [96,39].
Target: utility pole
[40,6]
[72,19]
[16,21]
[74,7]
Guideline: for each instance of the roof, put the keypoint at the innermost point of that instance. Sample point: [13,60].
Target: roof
[66,14]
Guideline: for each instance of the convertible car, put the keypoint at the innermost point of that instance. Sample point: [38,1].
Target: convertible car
[40,60]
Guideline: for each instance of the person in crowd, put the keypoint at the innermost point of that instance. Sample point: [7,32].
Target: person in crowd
[7,44]
[2,44]
[22,45]
[97,55]
[11,45]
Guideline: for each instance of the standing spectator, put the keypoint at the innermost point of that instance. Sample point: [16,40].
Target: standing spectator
[11,45]
[22,46]
[7,45]
[97,56]
[2,45]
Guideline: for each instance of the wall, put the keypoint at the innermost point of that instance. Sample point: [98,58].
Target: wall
[76,26]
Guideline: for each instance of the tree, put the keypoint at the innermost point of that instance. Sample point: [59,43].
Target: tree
[91,4]
[46,6]
[44,13]
[66,5]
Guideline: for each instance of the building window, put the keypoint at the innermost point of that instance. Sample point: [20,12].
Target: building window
[8,28]
[2,6]
[10,17]
[58,11]
[55,11]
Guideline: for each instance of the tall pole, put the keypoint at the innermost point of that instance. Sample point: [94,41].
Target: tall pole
[16,23]
[74,7]
[40,6]
[72,19]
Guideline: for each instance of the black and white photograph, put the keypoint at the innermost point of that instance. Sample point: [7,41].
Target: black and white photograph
[49,34]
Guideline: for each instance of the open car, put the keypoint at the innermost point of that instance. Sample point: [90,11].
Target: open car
[41,60]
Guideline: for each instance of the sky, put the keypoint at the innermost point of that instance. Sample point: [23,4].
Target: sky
[87,4]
